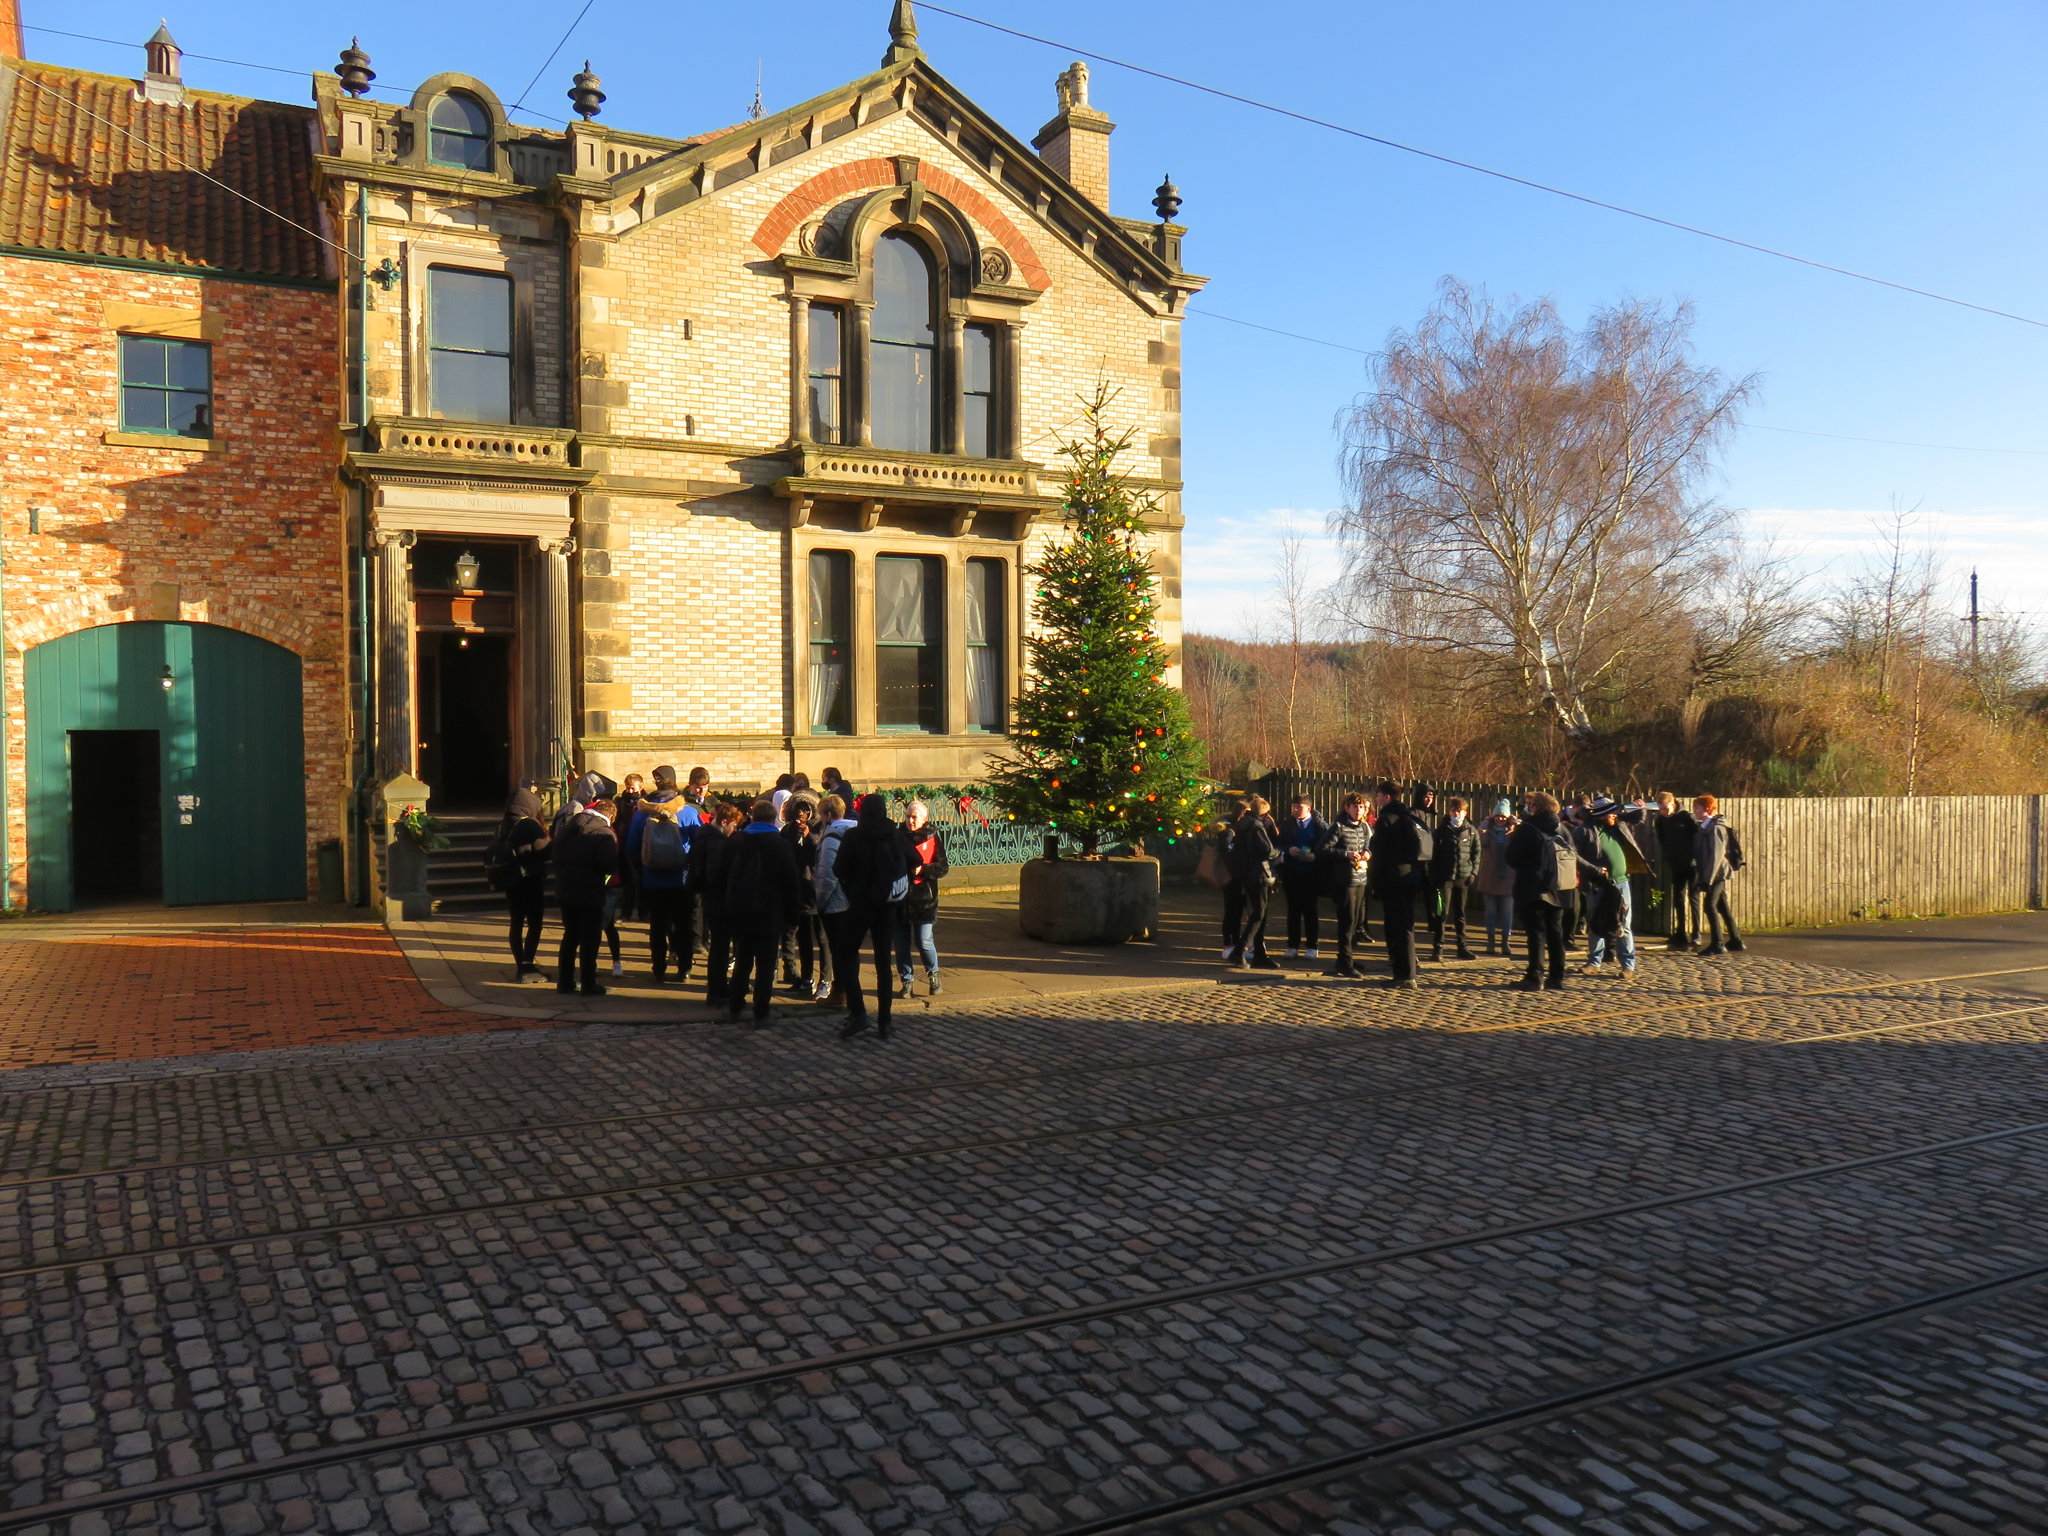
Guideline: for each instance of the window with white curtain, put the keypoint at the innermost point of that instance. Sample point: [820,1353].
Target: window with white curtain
[985,637]
[908,642]
[831,632]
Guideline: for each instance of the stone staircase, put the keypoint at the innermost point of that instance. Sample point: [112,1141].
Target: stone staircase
[455,874]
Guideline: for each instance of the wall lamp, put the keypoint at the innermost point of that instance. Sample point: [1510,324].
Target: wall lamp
[166,681]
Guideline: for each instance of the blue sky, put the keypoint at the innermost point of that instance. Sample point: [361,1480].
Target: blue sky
[1906,141]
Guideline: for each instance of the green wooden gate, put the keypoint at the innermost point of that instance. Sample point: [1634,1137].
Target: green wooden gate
[227,711]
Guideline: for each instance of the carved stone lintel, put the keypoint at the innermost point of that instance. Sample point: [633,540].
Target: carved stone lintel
[870,515]
[800,510]
[959,521]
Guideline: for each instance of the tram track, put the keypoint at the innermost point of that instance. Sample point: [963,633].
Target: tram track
[813,1167]
[1266,1485]
[957,1084]
[1256,1488]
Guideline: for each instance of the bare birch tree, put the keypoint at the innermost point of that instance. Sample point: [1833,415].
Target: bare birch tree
[1527,497]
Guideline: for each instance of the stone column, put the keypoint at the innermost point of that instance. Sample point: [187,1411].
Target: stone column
[952,382]
[1010,386]
[397,746]
[855,372]
[800,368]
[554,692]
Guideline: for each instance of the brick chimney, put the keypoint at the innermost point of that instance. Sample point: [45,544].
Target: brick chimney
[11,45]
[1076,142]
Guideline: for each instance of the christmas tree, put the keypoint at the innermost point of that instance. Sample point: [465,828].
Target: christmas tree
[1100,745]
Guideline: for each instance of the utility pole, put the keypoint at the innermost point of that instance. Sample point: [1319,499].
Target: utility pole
[1975,619]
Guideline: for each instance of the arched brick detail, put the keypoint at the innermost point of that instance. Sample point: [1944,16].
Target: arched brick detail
[843,181]
[297,631]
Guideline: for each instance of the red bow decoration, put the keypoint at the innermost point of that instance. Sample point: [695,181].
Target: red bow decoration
[966,803]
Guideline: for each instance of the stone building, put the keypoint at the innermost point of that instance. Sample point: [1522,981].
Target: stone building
[171,555]
[728,450]
[376,439]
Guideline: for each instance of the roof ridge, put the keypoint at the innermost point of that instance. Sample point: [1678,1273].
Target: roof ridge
[72,71]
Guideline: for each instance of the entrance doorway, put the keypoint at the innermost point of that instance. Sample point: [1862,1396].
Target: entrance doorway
[465,712]
[117,829]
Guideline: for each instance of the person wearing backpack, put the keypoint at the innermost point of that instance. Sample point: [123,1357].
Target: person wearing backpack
[1548,867]
[928,866]
[872,871]
[658,843]
[1402,848]
[517,864]
[762,895]
[1717,855]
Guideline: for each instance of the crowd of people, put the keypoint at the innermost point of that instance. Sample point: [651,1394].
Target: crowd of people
[1557,875]
[800,881]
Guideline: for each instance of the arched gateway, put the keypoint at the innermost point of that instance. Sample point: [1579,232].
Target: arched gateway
[165,762]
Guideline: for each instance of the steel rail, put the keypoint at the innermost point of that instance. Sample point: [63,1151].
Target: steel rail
[941,1149]
[998,1080]
[754,1376]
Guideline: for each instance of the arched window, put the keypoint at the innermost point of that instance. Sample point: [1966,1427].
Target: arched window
[460,133]
[903,360]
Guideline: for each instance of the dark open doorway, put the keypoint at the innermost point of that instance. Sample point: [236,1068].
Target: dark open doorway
[117,824]
[465,705]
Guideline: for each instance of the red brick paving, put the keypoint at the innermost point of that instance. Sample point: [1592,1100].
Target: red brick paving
[125,997]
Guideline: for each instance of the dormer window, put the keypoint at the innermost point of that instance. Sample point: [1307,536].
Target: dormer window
[459,133]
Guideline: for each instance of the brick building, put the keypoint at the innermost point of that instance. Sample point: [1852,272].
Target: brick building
[744,434]
[727,450]
[171,615]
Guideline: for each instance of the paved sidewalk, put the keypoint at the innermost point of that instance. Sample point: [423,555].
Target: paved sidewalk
[133,984]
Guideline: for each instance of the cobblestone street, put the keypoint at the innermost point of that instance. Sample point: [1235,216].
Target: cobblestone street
[1759,1245]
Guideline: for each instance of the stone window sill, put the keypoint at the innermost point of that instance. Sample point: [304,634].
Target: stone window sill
[161,440]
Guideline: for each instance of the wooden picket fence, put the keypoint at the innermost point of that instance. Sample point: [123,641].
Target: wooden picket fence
[1816,861]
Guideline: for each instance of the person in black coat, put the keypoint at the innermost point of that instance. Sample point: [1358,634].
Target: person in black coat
[805,938]
[586,856]
[872,869]
[524,832]
[1535,851]
[1399,875]
[708,850]
[1453,868]
[1675,830]
[1301,833]
[1250,861]
[763,895]
[1342,862]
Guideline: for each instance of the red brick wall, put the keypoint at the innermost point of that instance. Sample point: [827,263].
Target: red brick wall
[251,534]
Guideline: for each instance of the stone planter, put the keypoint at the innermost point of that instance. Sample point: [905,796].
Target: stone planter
[1088,901]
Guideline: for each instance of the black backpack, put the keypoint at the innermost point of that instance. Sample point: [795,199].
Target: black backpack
[501,864]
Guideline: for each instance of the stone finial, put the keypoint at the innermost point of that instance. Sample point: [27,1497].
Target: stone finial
[1167,200]
[1072,86]
[902,34]
[354,69]
[584,94]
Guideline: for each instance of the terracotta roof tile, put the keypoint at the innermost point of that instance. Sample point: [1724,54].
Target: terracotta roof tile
[86,166]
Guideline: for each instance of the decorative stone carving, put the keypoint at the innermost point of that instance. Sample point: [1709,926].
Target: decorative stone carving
[995,265]
[817,239]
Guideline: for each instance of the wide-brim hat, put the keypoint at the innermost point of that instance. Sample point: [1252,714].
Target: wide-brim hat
[1603,806]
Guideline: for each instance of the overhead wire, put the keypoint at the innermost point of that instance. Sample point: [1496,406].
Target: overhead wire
[519,103]
[274,69]
[185,165]
[1483,170]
